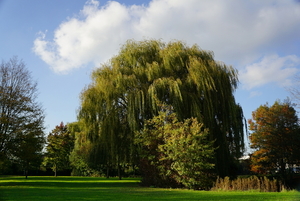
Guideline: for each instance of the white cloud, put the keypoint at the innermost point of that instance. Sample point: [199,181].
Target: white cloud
[92,37]
[237,31]
[271,69]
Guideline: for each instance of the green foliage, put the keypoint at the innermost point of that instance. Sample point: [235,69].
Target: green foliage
[129,89]
[275,138]
[21,116]
[80,160]
[29,151]
[253,183]
[60,144]
[179,152]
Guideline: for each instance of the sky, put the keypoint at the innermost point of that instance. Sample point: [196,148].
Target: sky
[62,41]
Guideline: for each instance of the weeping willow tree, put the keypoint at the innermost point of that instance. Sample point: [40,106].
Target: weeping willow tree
[131,87]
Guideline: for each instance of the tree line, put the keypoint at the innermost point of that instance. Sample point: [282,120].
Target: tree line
[163,111]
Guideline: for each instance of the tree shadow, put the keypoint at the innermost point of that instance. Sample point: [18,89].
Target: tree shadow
[65,182]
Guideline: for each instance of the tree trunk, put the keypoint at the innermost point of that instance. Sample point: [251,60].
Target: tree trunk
[119,172]
[107,171]
[55,171]
[133,168]
[282,167]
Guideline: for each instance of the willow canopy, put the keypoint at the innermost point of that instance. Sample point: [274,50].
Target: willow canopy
[131,87]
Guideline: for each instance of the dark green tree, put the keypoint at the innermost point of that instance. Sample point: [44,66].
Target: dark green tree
[275,138]
[128,90]
[59,147]
[21,116]
[29,152]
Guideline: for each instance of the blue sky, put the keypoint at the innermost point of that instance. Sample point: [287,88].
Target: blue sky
[61,41]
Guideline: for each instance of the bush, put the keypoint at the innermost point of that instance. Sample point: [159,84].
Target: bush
[176,154]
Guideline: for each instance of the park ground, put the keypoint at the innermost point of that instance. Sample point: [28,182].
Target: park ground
[94,188]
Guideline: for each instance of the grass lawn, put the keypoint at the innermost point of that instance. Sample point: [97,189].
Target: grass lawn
[90,188]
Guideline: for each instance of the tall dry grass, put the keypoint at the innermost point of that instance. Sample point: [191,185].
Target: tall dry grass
[253,183]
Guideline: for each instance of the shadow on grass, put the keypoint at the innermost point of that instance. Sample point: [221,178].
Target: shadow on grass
[68,182]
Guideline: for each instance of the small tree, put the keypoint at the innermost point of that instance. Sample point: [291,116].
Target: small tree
[176,153]
[58,150]
[29,151]
[275,137]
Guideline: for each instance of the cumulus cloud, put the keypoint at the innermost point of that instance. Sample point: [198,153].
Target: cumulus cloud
[92,36]
[237,31]
[270,69]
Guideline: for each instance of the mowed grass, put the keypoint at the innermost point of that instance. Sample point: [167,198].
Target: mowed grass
[91,188]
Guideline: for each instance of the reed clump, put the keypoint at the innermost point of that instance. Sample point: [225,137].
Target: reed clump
[252,183]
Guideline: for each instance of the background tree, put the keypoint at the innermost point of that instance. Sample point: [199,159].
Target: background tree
[59,147]
[81,161]
[176,153]
[275,137]
[21,116]
[128,90]
[29,152]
